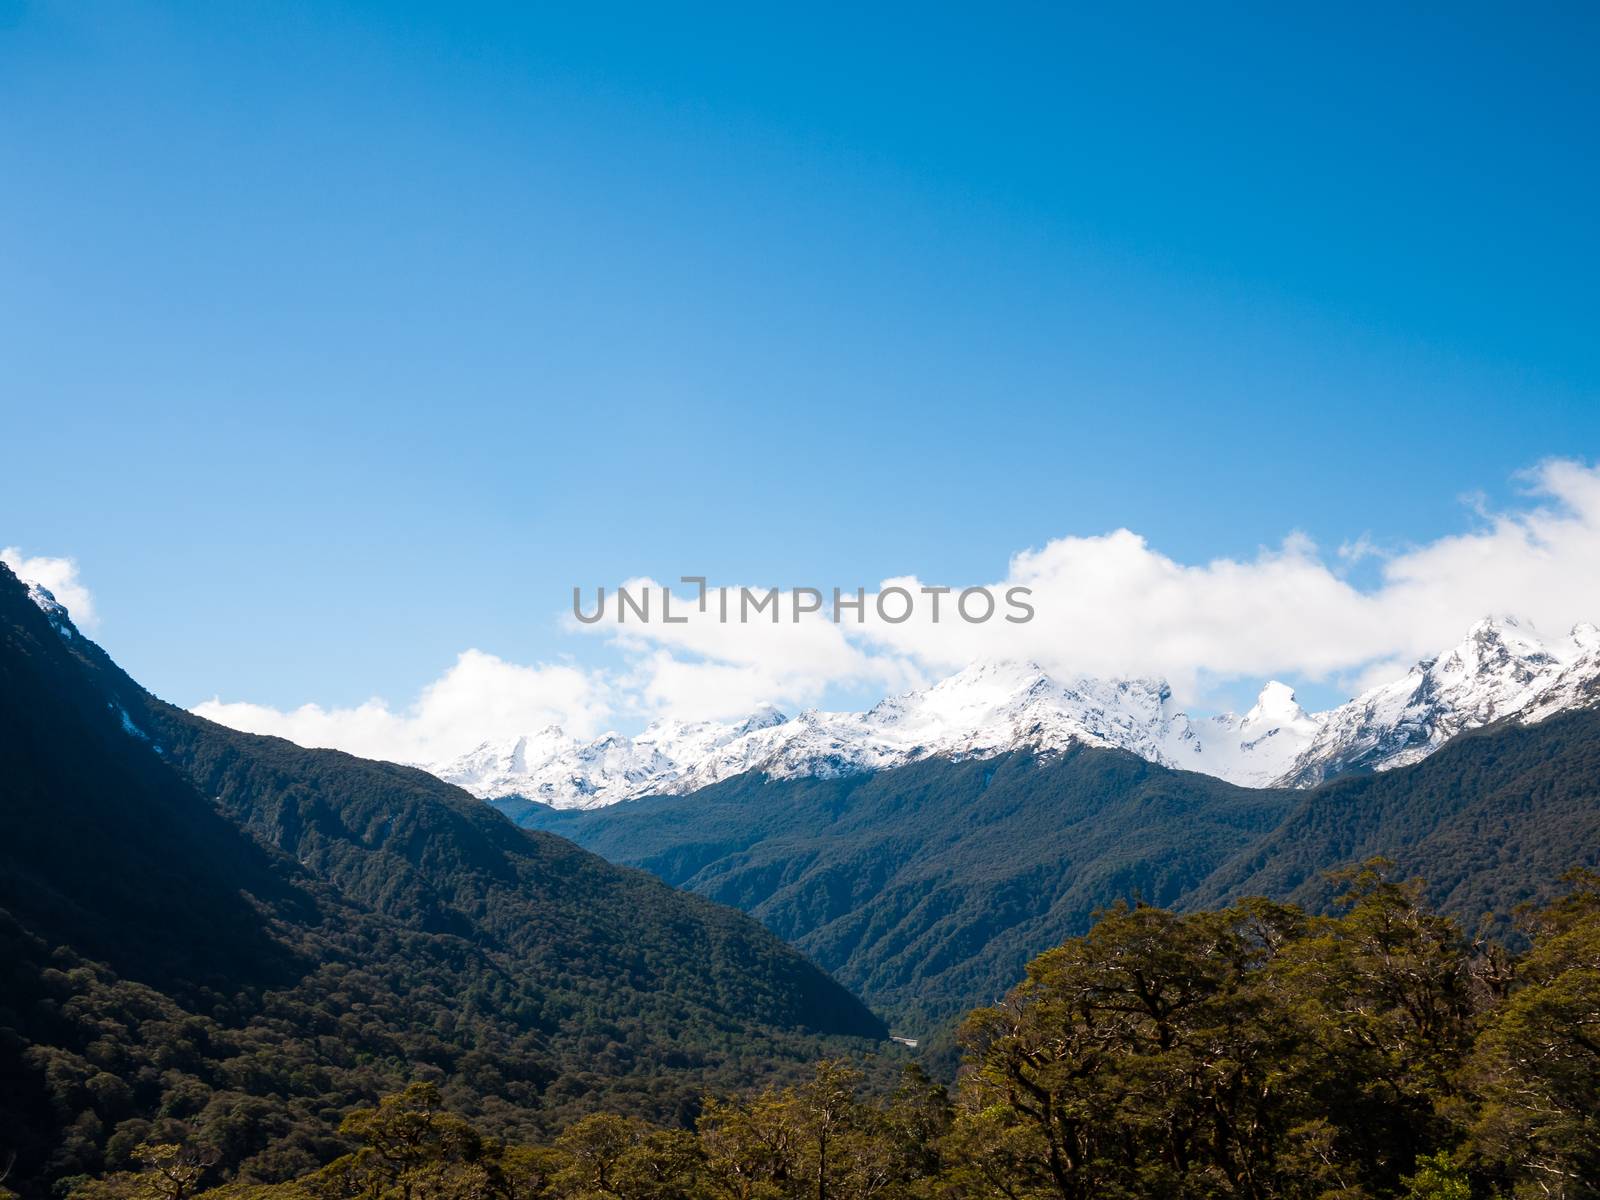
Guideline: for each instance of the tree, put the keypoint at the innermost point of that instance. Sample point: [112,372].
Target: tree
[1136,1057]
[170,1172]
[1385,997]
[1536,1064]
[1251,1052]
[1438,1177]
[412,1150]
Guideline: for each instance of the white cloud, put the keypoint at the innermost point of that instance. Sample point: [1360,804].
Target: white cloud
[60,577]
[705,668]
[1542,562]
[481,697]
[1109,605]
[1113,605]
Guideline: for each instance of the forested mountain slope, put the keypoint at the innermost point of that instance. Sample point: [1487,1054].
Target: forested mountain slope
[246,937]
[1490,821]
[927,887]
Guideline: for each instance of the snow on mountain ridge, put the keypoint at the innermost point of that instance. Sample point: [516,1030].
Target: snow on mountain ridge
[52,608]
[1501,669]
[986,709]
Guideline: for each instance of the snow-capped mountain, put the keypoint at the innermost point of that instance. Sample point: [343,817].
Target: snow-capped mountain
[984,710]
[1502,669]
[566,772]
[1256,749]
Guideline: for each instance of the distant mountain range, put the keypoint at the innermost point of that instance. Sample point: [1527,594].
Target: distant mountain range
[1501,669]
[923,850]
[925,888]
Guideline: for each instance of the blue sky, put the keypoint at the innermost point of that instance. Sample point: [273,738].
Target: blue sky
[339,338]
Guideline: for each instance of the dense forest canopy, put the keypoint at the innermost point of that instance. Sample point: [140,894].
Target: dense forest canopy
[1255,1051]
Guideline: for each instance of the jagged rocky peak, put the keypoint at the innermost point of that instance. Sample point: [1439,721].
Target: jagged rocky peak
[1501,670]
[1500,646]
[44,598]
[765,717]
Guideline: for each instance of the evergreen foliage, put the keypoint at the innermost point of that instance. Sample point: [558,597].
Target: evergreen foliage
[1256,1052]
[926,889]
[230,938]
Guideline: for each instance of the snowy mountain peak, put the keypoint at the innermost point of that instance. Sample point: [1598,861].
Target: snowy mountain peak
[765,717]
[985,709]
[1499,624]
[1501,669]
[1276,705]
[569,772]
[1500,643]
[988,681]
[44,598]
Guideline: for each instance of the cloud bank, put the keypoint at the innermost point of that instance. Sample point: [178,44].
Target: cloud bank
[480,698]
[1106,605]
[1113,605]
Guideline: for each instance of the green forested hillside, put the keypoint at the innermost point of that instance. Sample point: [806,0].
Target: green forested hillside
[926,888]
[1256,1052]
[1490,821]
[239,938]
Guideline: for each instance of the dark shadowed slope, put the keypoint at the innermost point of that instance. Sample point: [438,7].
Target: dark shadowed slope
[280,933]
